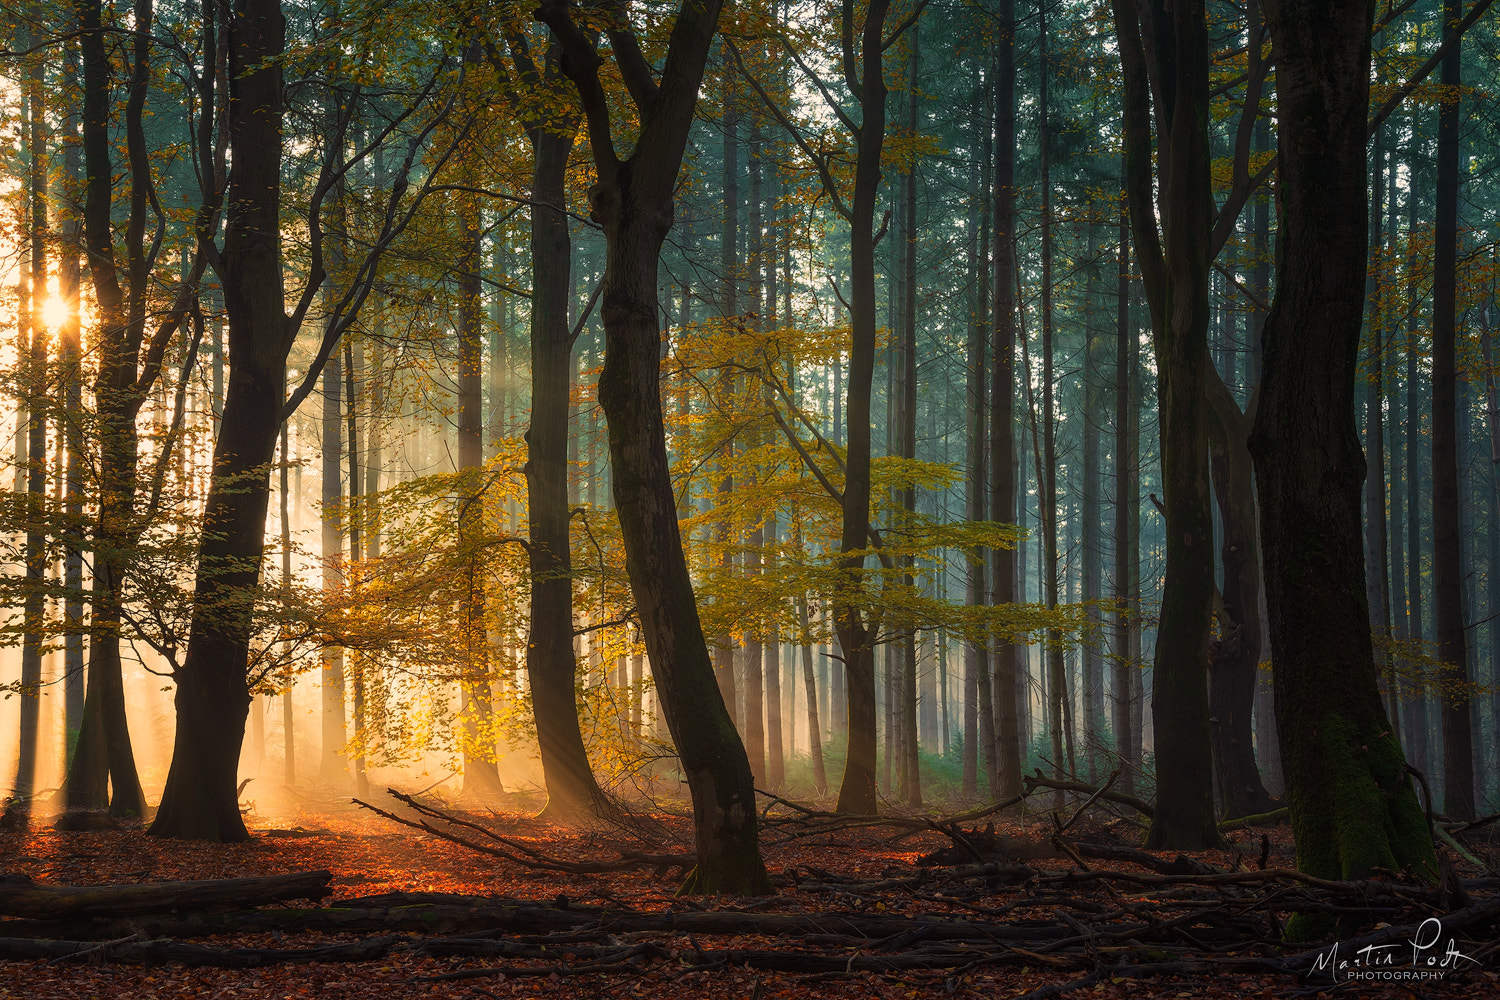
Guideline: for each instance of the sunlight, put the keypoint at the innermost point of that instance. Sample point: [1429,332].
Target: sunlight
[55,312]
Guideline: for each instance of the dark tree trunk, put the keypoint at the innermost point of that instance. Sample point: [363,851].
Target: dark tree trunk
[856,632]
[976,650]
[1236,652]
[34,365]
[70,398]
[633,202]
[551,668]
[1164,54]
[200,801]
[1416,733]
[1063,764]
[1377,551]
[334,723]
[1091,584]
[1007,690]
[1352,807]
[1447,568]
[103,767]
[909,777]
[1126,674]
[353,362]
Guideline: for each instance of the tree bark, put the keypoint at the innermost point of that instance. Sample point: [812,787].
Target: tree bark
[1352,806]
[1007,690]
[481,774]
[551,668]
[1126,654]
[200,801]
[103,767]
[1164,55]
[633,202]
[1447,568]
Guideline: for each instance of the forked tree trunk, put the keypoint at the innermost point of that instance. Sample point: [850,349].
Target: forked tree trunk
[1352,806]
[1164,55]
[103,768]
[633,203]
[199,800]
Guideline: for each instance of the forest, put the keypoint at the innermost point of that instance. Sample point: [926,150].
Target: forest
[851,498]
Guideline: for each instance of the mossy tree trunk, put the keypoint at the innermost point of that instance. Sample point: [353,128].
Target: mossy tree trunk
[1353,808]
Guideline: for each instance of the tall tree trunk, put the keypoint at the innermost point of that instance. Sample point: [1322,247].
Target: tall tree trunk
[1062,762]
[551,667]
[288,723]
[856,631]
[1447,569]
[1008,691]
[975,648]
[1236,651]
[69,285]
[1378,581]
[1352,806]
[632,201]
[200,801]
[1126,655]
[1171,65]
[1091,584]
[1416,735]
[335,732]
[103,768]
[906,693]
[35,365]
[481,775]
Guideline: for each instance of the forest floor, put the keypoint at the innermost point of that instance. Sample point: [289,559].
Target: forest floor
[825,870]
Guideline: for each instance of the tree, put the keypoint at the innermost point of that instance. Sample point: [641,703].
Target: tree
[551,126]
[1164,59]
[1447,563]
[1352,806]
[632,200]
[103,766]
[1006,689]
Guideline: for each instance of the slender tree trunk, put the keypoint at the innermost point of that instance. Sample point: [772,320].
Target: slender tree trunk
[1447,569]
[1171,64]
[551,667]
[36,557]
[975,648]
[1352,806]
[333,769]
[1091,584]
[69,284]
[288,723]
[856,633]
[1376,525]
[103,768]
[1062,764]
[481,775]
[1007,670]
[1127,532]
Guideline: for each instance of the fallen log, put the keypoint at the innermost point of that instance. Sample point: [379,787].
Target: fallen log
[21,897]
